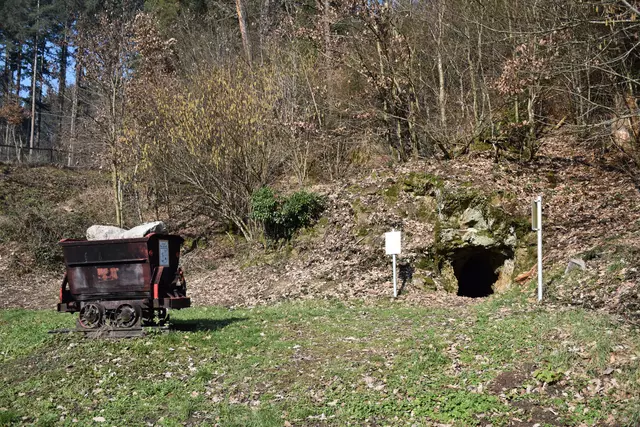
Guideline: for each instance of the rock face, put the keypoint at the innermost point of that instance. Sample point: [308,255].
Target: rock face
[476,241]
[108,232]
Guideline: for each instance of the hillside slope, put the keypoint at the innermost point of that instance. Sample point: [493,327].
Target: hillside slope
[38,207]
[590,211]
[588,203]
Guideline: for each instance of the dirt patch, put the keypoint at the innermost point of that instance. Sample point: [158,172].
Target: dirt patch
[510,380]
[533,414]
[507,381]
[32,291]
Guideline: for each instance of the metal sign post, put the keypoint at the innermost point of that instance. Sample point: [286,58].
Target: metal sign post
[393,246]
[395,278]
[536,225]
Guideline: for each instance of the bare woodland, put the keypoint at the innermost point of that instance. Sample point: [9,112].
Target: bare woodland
[211,100]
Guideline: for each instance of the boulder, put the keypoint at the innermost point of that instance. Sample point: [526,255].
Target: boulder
[104,232]
[109,232]
[144,229]
[473,218]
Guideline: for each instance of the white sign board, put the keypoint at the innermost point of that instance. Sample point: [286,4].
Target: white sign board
[392,242]
[164,253]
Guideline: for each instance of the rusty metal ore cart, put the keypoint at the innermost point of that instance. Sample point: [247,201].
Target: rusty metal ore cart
[118,286]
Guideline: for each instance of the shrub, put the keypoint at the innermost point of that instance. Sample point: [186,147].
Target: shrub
[39,229]
[216,135]
[283,216]
[264,205]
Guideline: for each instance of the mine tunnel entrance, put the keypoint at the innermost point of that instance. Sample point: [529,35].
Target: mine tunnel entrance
[476,269]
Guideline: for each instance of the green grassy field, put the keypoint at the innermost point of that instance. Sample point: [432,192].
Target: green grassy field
[503,361]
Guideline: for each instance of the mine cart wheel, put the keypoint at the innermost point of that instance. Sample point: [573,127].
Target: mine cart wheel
[147,318]
[126,316]
[91,316]
[159,317]
[163,316]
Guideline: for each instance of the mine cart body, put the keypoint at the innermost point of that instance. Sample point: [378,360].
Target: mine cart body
[124,281]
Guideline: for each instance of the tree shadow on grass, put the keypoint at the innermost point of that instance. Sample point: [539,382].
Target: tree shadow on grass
[194,325]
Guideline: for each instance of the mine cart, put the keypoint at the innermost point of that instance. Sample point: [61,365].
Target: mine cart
[117,286]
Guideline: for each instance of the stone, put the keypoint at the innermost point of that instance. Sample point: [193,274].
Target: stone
[449,279]
[472,217]
[511,240]
[504,276]
[104,232]
[448,235]
[109,232]
[423,282]
[144,229]
[574,264]
[476,239]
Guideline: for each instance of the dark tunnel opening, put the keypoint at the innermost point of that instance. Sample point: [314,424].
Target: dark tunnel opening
[476,269]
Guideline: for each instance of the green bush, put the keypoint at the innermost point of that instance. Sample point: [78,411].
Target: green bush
[283,216]
[264,205]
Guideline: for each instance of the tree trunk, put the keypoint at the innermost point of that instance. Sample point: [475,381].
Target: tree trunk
[18,73]
[17,143]
[265,21]
[115,182]
[441,83]
[6,78]
[18,87]
[62,82]
[531,117]
[326,28]
[74,111]
[136,192]
[34,76]
[472,74]
[6,73]
[39,90]
[242,22]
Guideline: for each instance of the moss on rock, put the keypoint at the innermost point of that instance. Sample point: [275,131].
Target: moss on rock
[421,184]
[449,281]
[423,282]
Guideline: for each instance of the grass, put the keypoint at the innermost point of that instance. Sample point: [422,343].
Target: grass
[328,363]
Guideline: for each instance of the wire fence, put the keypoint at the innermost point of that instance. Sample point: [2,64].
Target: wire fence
[47,156]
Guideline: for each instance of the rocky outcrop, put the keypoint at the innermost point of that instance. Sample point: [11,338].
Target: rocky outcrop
[475,242]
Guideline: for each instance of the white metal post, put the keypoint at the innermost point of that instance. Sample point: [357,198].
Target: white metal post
[539,214]
[393,246]
[395,286]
